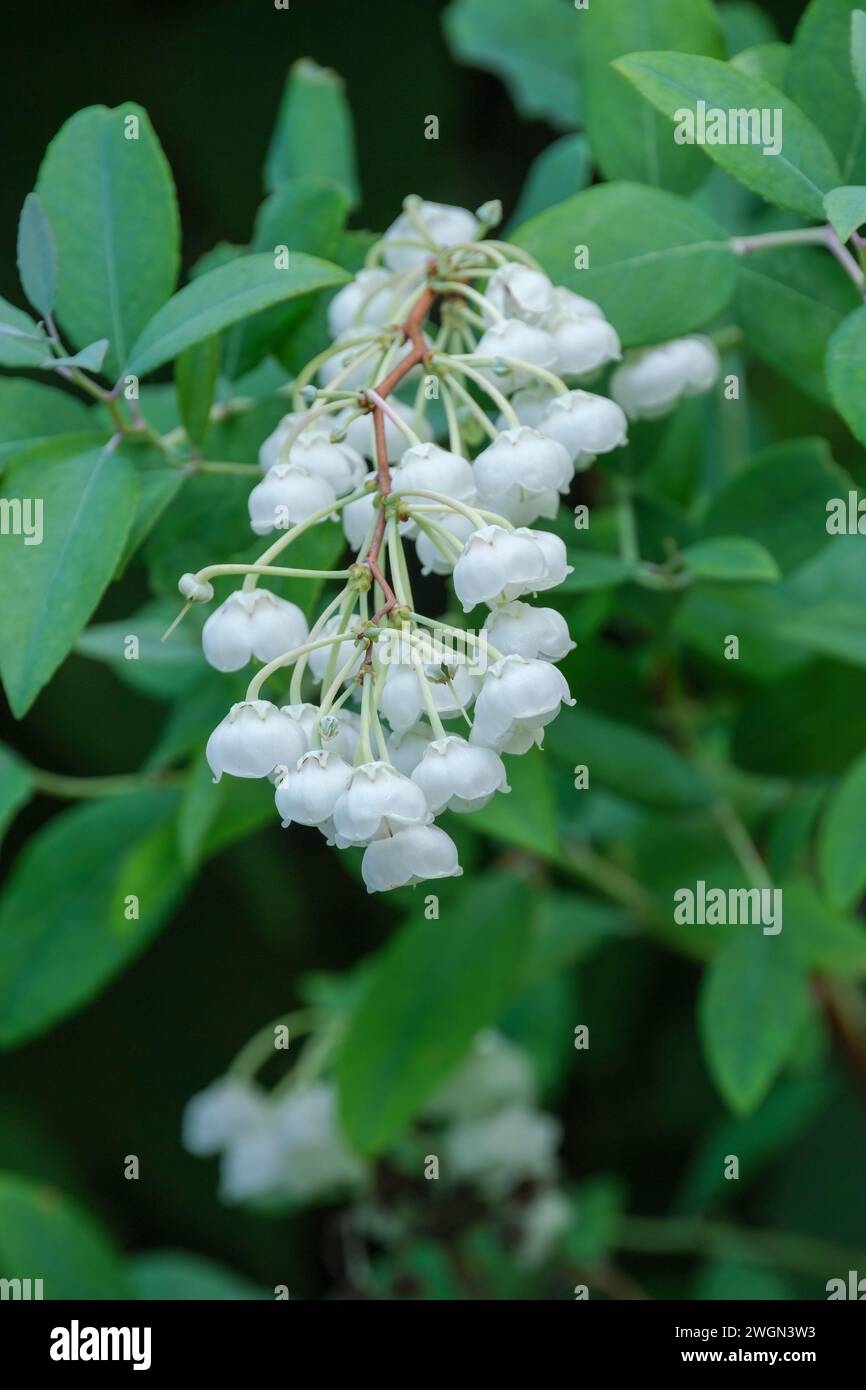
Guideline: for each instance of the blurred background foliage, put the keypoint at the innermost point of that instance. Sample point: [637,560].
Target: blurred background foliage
[644,1123]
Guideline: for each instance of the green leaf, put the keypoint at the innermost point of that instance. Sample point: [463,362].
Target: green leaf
[858,51]
[821,80]
[164,670]
[16,786]
[561,170]
[22,342]
[195,375]
[435,985]
[780,500]
[64,932]
[596,569]
[796,176]
[658,266]
[37,256]
[313,133]
[789,307]
[201,804]
[753,999]
[534,50]
[744,24]
[89,358]
[87,497]
[177,1275]
[732,558]
[825,937]
[727,1280]
[846,209]
[525,816]
[599,1206]
[108,193]
[846,372]
[157,489]
[223,296]
[43,1235]
[567,927]
[625,759]
[30,411]
[627,138]
[842,841]
[813,722]
[769,61]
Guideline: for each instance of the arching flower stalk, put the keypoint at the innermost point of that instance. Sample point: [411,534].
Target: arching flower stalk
[449,415]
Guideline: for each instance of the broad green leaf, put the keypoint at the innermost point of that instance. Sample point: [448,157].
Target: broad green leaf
[22,342]
[86,499]
[596,569]
[313,133]
[789,307]
[769,61]
[727,1280]
[598,1211]
[560,171]
[813,722]
[64,928]
[30,411]
[134,649]
[567,927]
[858,51]
[533,49]
[744,24]
[108,193]
[795,176]
[780,500]
[200,805]
[44,1235]
[624,759]
[753,999]
[223,296]
[842,842]
[434,986]
[658,266]
[178,1275]
[846,372]
[90,358]
[525,816]
[157,489]
[37,256]
[846,209]
[195,375]
[825,937]
[821,81]
[629,140]
[734,558]
[16,786]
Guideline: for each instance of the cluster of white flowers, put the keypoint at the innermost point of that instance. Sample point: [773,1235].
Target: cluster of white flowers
[490,1135]
[493,358]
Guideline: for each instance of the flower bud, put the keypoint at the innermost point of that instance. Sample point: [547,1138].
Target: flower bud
[194,590]
[254,623]
[413,855]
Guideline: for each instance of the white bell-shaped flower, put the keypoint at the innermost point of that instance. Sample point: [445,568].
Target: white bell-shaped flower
[518,695]
[254,623]
[521,629]
[360,431]
[511,338]
[567,302]
[366,301]
[439,558]
[544,1220]
[449,679]
[522,461]
[585,425]
[358,516]
[498,565]
[338,463]
[496,1073]
[413,855]
[308,792]
[651,380]
[455,776]
[519,292]
[287,494]
[321,657]
[406,748]
[340,733]
[444,225]
[304,717]
[271,448]
[556,566]
[529,405]
[253,739]
[252,1167]
[584,342]
[499,1151]
[217,1115]
[523,508]
[316,1159]
[434,469]
[377,801]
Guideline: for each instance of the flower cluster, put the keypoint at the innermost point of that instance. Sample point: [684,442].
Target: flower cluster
[449,414]
[484,1127]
